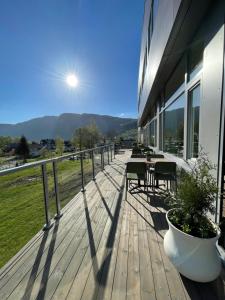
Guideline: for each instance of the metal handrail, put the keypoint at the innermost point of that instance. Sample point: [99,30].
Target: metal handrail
[45,161]
[42,164]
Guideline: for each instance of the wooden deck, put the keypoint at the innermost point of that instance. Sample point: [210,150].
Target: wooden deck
[104,247]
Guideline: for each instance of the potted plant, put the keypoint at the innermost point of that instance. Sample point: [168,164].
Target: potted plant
[190,242]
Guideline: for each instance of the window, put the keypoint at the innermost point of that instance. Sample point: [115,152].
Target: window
[176,79]
[155,4]
[193,121]
[144,69]
[153,133]
[173,130]
[151,22]
[150,29]
[146,129]
[195,57]
[161,131]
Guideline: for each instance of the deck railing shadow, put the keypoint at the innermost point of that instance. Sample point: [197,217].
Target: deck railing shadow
[112,180]
[156,228]
[103,200]
[121,173]
[90,235]
[46,269]
[102,273]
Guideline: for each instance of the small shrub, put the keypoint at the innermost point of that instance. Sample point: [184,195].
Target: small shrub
[196,195]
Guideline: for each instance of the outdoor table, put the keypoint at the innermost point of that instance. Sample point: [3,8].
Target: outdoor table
[150,163]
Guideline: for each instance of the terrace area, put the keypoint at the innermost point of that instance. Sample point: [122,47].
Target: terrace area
[105,246]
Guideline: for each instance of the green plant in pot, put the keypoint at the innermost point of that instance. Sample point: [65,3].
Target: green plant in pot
[190,242]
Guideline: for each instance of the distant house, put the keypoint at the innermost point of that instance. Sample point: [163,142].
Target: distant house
[48,143]
[10,149]
[68,147]
[35,149]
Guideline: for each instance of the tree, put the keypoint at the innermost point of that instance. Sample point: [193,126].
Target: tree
[23,148]
[59,144]
[45,153]
[86,137]
[4,142]
[94,134]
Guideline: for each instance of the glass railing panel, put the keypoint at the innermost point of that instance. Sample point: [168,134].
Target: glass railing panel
[22,211]
[87,165]
[69,178]
[97,160]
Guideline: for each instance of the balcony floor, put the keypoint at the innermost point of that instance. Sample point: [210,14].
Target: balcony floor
[104,247]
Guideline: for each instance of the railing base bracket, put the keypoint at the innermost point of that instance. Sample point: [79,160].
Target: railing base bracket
[47,226]
[58,216]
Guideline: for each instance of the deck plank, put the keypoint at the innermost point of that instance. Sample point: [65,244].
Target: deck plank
[71,224]
[74,211]
[120,276]
[133,279]
[106,246]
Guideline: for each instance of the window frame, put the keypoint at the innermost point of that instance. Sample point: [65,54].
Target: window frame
[189,119]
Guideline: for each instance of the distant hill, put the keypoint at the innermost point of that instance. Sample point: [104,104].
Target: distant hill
[64,126]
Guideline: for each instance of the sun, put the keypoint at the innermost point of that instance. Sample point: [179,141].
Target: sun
[72,80]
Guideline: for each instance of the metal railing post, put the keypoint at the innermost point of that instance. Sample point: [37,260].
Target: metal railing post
[82,172]
[114,151]
[111,152]
[93,165]
[103,162]
[57,200]
[108,154]
[46,197]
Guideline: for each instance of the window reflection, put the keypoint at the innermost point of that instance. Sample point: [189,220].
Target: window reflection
[173,133]
[153,133]
[193,118]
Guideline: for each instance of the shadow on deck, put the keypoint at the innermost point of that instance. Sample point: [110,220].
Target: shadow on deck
[104,247]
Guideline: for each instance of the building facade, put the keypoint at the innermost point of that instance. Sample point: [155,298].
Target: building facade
[181,82]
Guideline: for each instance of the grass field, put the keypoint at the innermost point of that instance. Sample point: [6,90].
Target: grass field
[22,204]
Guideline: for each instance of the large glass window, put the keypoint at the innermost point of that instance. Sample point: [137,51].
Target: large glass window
[193,121]
[153,133]
[161,131]
[173,131]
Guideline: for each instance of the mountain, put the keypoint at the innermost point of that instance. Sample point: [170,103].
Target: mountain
[64,126]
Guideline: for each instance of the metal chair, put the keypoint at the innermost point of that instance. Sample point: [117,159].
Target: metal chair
[165,171]
[136,151]
[136,171]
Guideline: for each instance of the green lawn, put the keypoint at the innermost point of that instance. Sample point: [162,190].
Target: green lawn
[22,205]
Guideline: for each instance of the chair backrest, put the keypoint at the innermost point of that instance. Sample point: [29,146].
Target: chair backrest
[146,149]
[166,167]
[138,155]
[136,151]
[136,167]
[156,155]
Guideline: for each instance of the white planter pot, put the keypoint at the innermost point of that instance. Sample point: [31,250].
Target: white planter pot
[195,258]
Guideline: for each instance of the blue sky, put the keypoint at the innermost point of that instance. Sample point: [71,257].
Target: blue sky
[43,40]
